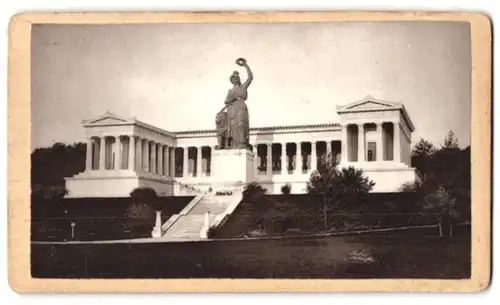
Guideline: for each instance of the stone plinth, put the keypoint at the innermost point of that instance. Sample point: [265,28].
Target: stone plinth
[113,183]
[231,169]
[156,233]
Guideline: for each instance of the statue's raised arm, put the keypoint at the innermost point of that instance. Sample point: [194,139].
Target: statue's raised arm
[232,125]
[242,62]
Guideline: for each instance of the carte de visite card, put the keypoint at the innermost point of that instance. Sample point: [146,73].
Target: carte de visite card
[249,152]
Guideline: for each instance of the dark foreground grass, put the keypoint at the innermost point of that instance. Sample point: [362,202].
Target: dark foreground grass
[96,218]
[403,254]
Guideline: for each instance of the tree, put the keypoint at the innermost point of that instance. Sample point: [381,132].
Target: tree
[448,166]
[421,154]
[143,193]
[411,187]
[322,183]
[443,206]
[335,185]
[286,189]
[141,213]
[423,148]
[351,180]
[146,195]
[450,142]
[253,191]
[50,165]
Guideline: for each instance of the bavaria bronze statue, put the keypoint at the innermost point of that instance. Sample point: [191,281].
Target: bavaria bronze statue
[232,122]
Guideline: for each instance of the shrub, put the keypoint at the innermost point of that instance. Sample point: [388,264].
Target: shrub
[286,189]
[146,195]
[413,187]
[143,192]
[409,187]
[44,192]
[253,191]
[443,205]
[336,186]
[140,218]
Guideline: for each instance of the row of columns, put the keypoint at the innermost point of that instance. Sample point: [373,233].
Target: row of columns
[140,154]
[184,162]
[380,141]
[199,161]
[148,156]
[129,153]
[297,155]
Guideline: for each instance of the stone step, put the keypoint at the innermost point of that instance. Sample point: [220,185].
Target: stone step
[188,226]
[201,210]
[212,204]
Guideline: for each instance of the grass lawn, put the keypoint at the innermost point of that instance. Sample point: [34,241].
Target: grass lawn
[95,218]
[402,254]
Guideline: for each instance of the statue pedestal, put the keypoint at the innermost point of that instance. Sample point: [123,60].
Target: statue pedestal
[231,169]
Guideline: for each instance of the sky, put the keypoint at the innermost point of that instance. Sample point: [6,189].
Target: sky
[176,76]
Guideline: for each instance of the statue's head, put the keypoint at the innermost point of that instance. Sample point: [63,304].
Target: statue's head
[235,78]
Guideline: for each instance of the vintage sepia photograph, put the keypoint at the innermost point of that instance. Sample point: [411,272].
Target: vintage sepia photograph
[251,150]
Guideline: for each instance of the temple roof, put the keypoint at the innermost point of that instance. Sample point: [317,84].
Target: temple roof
[370,103]
[365,105]
[110,119]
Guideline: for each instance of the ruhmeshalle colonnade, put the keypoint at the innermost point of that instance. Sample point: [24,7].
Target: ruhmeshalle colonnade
[125,153]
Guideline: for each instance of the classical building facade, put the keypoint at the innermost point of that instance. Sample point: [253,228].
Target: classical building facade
[125,153]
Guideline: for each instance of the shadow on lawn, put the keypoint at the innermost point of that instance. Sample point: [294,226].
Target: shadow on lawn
[408,254]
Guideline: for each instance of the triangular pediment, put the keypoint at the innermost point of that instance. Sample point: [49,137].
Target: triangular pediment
[107,119]
[369,104]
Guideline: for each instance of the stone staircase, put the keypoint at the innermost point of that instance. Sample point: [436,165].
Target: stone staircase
[188,224]
[186,227]
[213,204]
